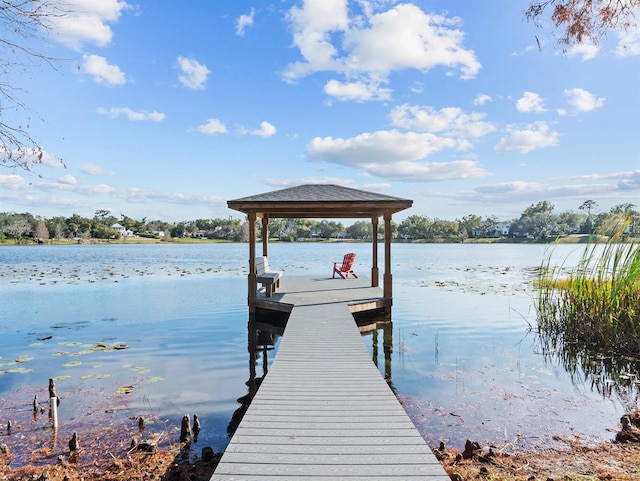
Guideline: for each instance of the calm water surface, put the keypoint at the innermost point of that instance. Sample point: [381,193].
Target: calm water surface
[464,359]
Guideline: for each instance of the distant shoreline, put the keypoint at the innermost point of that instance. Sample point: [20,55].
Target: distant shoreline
[570,239]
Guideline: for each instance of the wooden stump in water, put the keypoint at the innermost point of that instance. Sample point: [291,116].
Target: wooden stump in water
[74,445]
[52,391]
[196,428]
[185,429]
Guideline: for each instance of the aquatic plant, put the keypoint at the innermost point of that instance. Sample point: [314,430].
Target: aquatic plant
[595,304]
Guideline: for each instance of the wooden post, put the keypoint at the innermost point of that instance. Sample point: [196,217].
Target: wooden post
[265,235]
[253,276]
[375,281]
[388,279]
[185,429]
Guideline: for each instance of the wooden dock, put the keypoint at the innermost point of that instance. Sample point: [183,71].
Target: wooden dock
[324,410]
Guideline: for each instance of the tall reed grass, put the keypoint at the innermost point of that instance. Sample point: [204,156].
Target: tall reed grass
[597,304]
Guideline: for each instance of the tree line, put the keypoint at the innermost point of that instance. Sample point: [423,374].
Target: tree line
[537,222]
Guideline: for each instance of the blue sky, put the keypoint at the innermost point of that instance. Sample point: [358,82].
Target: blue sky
[165,110]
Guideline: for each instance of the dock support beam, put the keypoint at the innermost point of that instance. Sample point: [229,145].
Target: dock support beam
[375,274]
[388,279]
[265,235]
[253,276]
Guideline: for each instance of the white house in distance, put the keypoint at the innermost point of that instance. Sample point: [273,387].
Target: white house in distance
[122,231]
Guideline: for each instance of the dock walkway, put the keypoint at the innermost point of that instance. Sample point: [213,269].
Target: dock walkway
[324,411]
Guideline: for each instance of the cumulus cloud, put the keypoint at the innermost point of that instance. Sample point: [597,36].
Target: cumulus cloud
[395,155]
[193,74]
[92,169]
[68,179]
[587,51]
[381,146]
[481,99]
[358,91]
[244,21]
[103,72]
[13,182]
[212,127]
[429,171]
[629,42]
[131,114]
[266,130]
[535,136]
[583,101]
[530,102]
[85,21]
[373,45]
[450,121]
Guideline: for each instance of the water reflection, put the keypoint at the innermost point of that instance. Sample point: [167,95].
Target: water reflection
[611,376]
[379,328]
[263,333]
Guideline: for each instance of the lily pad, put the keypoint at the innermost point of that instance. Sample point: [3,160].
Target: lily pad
[20,370]
[62,378]
[156,379]
[140,369]
[24,359]
[72,363]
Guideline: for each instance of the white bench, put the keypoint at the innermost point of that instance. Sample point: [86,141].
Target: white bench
[269,279]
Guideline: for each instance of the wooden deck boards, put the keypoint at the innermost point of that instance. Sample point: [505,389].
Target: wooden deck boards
[324,411]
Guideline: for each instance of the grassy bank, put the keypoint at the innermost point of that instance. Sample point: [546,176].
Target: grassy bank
[597,304]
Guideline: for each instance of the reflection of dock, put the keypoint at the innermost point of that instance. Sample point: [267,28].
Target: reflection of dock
[324,411]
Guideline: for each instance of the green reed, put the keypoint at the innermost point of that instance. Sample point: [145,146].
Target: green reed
[597,303]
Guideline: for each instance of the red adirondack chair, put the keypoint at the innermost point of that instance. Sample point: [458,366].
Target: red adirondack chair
[346,268]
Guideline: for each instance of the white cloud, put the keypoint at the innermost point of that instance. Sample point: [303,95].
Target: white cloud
[212,127]
[582,100]
[279,182]
[536,136]
[379,187]
[244,21]
[266,130]
[481,99]
[358,91]
[587,51]
[85,21]
[68,179]
[130,114]
[13,182]
[395,155]
[382,146]
[193,74]
[102,72]
[92,169]
[373,45]
[449,120]
[530,102]
[405,37]
[429,171]
[629,43]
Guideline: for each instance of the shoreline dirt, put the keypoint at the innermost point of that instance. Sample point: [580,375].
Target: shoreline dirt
[605,461]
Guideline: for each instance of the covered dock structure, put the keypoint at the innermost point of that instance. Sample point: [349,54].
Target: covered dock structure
[321,201]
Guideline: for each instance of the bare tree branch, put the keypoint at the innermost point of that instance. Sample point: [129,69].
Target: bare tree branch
[24,26]
[585,20]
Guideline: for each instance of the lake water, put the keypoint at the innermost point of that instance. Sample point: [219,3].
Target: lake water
[161,330]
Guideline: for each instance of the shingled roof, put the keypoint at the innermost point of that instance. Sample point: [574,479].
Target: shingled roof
[318,201]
